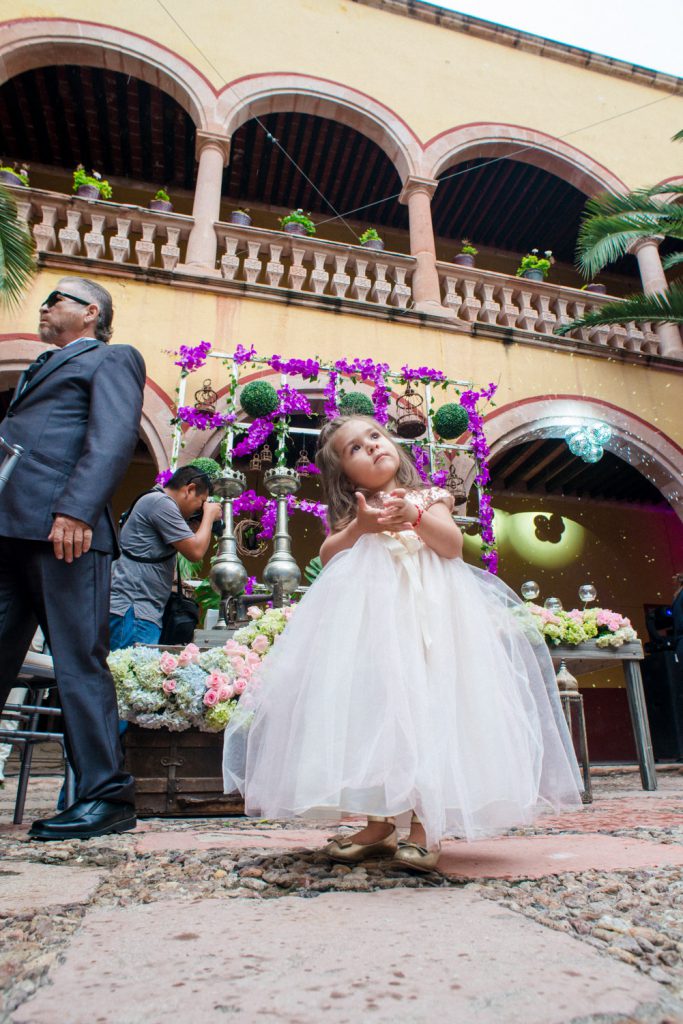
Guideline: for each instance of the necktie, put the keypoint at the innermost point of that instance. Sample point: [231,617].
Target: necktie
[32,370]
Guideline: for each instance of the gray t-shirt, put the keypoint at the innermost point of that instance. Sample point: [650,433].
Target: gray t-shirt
[149,532]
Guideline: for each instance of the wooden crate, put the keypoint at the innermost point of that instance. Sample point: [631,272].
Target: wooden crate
[178,774]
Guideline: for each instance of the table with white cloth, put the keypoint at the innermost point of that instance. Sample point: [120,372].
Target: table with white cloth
[588,657]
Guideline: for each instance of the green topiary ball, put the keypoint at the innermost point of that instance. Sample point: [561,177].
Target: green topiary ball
[450,421]
[258,398]
[208,466]
[356,404]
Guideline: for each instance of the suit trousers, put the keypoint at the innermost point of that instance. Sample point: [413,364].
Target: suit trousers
[70,602]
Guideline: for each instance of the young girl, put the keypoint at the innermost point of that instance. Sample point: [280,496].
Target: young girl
[404,681]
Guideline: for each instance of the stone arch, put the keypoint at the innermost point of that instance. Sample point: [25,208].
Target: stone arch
[474,141]
[285,92]
[32,43]
[658,457]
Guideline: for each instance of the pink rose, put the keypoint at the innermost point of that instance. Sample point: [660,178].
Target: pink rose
[211,698]
[216,678]
[254,612]
[192,650]
[238,664]
[168,685]
[260,644]
[231,645]
[168,663]
[240,686]
[252,659]
[224,691]
[288,612]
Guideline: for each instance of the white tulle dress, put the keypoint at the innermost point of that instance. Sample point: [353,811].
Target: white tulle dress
[405,681]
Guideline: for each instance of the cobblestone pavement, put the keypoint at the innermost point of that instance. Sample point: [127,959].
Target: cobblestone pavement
[633,915]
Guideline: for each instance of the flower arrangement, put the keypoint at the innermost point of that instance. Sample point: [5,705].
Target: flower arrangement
[370,235]
[246,438]
[532,261]
[200,689]
[258,398]
[21,173]
[206,465]
[95,179]
[298,217]
[607,628]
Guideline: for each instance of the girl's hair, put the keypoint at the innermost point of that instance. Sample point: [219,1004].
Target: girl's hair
[340,492]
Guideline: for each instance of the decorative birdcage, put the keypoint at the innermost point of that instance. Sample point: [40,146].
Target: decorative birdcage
[455,485]
[255,462]
[249,544]
[410,421]
[303,462]
[266,456]
[205,399]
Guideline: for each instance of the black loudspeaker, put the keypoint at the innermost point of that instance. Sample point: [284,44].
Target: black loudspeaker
[663,682]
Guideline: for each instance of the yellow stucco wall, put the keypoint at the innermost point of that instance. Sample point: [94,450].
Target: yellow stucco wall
[432,77]
[157,318]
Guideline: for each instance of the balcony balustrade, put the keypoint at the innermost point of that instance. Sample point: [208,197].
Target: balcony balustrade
[274,262]
[481,297]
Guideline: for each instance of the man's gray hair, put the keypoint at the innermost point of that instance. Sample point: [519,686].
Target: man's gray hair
[102,299]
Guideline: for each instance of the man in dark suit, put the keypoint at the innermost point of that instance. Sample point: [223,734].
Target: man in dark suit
[76,413]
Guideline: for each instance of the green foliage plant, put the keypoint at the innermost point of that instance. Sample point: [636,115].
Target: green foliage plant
[258,398]
[355,403]
[96,179]
[298,217]
[450,421]
[17,262]
[208,466]
[532,261]
[162,195]
[370,235]
[21,173]
[467,249]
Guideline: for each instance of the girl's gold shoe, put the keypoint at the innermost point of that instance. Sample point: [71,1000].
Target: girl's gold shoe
[345,851]
[416,858]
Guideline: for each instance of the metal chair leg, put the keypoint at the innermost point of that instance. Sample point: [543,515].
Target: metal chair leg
[26,759]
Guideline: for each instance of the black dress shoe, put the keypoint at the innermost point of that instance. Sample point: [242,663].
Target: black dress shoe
[85,819]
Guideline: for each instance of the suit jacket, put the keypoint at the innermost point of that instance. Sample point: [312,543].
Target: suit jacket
[77,421]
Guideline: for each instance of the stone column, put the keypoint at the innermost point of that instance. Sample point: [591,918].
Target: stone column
[213,152]
[417,195]
[653,278]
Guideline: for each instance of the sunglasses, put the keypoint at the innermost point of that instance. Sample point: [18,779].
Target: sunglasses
[54,297]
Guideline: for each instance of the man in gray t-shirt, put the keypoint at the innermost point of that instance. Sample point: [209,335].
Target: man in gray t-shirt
[154,531]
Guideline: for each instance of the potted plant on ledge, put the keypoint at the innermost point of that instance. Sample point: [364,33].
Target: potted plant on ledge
[240,216]
[595,288]
[161,202]
[465,258]
[370,239]
[297,223]
[535,267]
[91,186]
[14,176]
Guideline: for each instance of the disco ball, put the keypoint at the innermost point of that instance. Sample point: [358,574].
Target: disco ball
[599,433]
[594,454]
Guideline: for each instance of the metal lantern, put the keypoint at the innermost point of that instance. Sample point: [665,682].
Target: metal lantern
[205,399]
[455,485]
[409,418]
[282,573]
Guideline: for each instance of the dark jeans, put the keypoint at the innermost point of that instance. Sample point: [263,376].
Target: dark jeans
[70,602]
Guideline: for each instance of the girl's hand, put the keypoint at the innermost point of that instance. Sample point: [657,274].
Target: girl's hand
[367,519]
[398,513]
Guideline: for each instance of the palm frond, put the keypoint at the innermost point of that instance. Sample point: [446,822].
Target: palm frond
[605,237]
[660,308]
[668,188]
[188,570]
[678,137]
[672,260]
[17,264]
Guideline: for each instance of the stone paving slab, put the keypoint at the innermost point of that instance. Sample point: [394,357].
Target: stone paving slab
[539,856]
[402,956]
[27,886]
[232,839]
